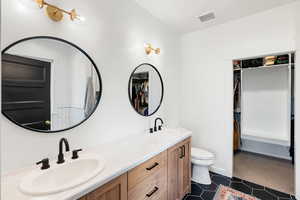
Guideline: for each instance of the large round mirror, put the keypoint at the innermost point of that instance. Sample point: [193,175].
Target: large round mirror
[145,89]
[48,84]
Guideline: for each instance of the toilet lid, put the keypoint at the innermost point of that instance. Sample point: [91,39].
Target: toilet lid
[201,154]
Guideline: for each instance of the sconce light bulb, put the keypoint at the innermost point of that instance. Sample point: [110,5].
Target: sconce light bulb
[157,51]
[148,50]
[80,18]
[73,14]
[40,3]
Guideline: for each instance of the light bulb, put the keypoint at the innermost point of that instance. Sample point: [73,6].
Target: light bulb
[147,45]
[80,18]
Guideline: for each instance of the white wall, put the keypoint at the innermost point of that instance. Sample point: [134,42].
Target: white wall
[265,103]
[207,83]
[114,35]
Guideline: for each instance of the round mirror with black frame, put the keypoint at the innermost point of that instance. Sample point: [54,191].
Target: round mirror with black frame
[145,89]
[48,84]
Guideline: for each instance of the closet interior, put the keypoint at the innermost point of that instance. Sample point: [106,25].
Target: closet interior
[264,110]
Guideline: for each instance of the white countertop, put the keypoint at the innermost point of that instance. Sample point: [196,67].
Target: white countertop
[120,157]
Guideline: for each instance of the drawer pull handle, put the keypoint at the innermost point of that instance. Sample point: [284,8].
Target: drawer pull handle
[153,166]
[152,192]
[181,152]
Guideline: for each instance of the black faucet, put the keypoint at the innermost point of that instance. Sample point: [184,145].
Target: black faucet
[160,126]
[60,154]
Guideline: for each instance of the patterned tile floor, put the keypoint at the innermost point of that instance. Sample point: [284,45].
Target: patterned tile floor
[207,192]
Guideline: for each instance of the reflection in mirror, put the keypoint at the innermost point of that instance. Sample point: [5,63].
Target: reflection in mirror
[48,84]
[145,89]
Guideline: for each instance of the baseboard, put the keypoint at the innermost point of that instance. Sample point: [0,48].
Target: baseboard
[257,136]
[268,154]
[221,171]
[273,150]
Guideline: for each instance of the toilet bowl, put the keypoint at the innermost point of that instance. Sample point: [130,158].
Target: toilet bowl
[201,161]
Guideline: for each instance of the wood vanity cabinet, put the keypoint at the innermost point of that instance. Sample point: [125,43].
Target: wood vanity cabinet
[179,170]
[166,176]
[114,190]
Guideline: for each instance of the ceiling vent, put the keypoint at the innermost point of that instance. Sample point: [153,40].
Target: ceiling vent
[207,17]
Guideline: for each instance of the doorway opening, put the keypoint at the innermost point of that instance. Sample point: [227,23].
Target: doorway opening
[263,122]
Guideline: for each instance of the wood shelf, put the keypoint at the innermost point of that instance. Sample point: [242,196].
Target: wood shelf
[265,67]
[269,66]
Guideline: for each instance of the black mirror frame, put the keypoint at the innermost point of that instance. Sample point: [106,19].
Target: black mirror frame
[76,47]
[162,87]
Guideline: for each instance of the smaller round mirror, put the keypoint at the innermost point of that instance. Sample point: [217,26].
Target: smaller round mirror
[145,89]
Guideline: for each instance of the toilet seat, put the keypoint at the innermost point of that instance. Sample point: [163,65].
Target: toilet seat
[203,162]
[201,154]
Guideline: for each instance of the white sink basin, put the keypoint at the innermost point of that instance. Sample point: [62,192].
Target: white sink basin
[59,178]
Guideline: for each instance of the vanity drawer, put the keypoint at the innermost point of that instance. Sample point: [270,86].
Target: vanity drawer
[152,188]
[145,170]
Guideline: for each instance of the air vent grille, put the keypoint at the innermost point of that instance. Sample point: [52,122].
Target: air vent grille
[207,17]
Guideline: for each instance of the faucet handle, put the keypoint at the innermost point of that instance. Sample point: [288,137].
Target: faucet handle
[45,163]
[151,130]
[75,153]
[159,127]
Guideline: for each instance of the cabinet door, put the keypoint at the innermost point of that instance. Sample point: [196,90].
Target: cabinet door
[179,170]
[114,190]
[185,169]
[173,170]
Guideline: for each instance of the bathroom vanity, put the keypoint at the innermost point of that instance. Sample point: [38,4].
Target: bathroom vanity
[165,176]
[142,166]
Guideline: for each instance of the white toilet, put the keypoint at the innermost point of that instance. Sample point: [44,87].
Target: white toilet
[201,161]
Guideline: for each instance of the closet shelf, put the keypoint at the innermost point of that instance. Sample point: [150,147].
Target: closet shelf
[269,66]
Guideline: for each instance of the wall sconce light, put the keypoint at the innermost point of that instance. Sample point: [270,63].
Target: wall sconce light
[55,13]
[149,49]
